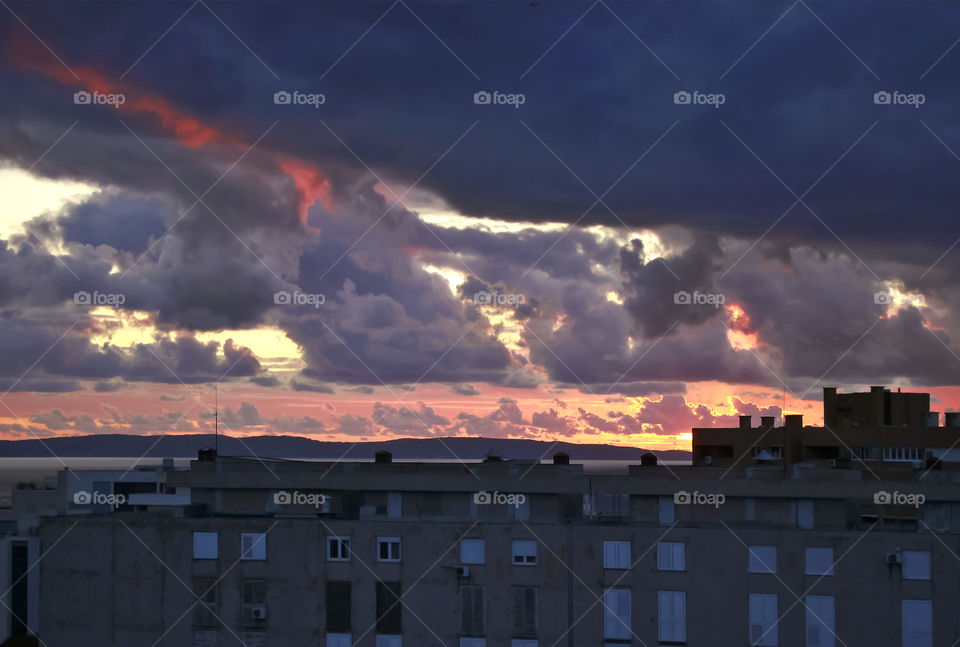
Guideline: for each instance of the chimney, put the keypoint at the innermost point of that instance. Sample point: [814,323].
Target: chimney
[766,422]
[876,403]
[830,406]
[793,421]
[745,422]
[648,460]
[207,455]
[561,458]
[933,418]
[951,419]
[383,456]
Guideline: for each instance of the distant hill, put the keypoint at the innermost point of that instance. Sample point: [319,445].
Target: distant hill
[186,446]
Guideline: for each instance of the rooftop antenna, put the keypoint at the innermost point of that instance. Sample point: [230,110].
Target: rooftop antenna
[216,419]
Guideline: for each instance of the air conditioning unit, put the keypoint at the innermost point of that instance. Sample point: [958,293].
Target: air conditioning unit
[893,558]
[258,613]
[462,571]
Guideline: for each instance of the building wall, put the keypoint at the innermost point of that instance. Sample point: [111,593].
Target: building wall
[101,586]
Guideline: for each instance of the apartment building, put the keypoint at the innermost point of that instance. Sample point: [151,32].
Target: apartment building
[792,551]
[880,429]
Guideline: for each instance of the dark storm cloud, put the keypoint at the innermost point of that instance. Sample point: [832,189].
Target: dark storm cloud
[60,349]
[384,318]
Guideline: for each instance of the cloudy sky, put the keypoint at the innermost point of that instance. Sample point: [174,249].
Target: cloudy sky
[597,222]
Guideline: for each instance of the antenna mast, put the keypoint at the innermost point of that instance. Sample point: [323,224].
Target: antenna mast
[216,419]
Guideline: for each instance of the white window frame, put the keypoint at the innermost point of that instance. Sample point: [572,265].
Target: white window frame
[820,613]
[258,546]
[902,454]
[473,551]
[915,564]
[341,541]
[672,616]
[525,549]
[818,560]
[616,614]
[671,556]
[202,548]
[761,559]
[616,555]
[918,630]
[766,635]
[389,542]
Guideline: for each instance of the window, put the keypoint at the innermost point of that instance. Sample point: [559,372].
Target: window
[472,611]
[820,621]
[253,639]
[389,608]
[762,559]
[524,614]
[805,513]
[253,545]
[916,564]
[672,613]
[338,549]
[338,608]
[917,622]
[520,511]
[670,556]
[205,638]
[616,614]
[339,640]
[819,561]
[666,511]
[524,552]
[389,641]
[616,554]
[473,642]
[523,643]
[394,505]
[763,619]
[902,454]
[388,549]
[205,545]
[472,551]
[253,594]
[749,509]
[205,612]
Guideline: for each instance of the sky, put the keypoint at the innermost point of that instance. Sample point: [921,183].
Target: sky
[597,222]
